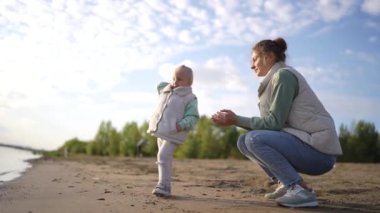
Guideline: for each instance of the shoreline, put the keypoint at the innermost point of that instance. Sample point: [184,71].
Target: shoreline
[103,184]
[17,163]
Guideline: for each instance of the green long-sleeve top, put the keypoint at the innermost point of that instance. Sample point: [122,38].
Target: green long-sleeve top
[285,89]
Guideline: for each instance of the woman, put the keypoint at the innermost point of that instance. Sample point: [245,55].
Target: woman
[294,133]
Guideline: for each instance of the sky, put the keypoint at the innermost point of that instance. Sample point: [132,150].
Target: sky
[68,65]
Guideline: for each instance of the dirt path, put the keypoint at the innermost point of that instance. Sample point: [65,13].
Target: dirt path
[93,184]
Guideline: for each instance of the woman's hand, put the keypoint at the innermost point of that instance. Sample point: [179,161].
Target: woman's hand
[224,117]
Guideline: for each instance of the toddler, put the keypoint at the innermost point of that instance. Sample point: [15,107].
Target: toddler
[175,114]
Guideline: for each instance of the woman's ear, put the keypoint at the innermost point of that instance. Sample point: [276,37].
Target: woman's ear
[269,58]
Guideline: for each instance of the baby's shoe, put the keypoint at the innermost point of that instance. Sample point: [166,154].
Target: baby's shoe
[162,190]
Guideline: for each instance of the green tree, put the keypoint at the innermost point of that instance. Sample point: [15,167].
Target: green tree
[367,138]
[361,144]
[130,136]
[190,148]
[194,146]
[73,146]
[210,137]
[210,141]
[105,136]
[114,142]
[231,135]
[344,138]
[150,148]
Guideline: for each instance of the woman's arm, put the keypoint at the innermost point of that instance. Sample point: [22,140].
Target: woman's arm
[285,89]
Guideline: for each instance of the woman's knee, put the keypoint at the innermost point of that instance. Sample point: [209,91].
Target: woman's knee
[253,140]
[241,143]
[247,142]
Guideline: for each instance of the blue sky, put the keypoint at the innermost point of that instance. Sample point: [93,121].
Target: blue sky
[67,65]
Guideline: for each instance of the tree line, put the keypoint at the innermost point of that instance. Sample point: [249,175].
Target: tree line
[360,142]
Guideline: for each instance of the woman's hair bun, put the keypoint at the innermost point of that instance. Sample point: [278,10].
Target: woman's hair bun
[281,43]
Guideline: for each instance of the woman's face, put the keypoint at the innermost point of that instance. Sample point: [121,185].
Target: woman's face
[261,63]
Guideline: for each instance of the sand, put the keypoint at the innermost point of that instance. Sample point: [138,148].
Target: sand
[95,184]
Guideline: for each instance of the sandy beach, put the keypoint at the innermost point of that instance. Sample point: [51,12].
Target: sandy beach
[95,184]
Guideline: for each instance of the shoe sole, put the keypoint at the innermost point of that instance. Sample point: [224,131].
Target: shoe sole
[161,195]
[271,198]
[301,205]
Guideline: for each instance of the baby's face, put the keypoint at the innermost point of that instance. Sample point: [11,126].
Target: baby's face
[180,79]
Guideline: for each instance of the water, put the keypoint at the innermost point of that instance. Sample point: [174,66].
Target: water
[13,162]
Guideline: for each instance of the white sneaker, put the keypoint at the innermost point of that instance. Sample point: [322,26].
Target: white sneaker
[162,191]
[297,196]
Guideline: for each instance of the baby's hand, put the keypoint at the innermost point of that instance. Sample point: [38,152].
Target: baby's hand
[178,127]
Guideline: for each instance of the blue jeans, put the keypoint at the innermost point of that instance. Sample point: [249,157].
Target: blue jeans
[283,156]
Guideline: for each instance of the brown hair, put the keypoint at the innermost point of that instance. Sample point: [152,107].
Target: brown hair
[277,46]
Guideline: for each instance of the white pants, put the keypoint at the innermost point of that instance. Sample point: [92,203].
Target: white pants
[164,161]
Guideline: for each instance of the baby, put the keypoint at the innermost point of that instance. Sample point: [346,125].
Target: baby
[175,114]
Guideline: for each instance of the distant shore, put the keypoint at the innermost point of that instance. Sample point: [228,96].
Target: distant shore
[22,148]
[96,184]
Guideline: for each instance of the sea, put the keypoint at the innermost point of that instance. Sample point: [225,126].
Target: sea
[13,163]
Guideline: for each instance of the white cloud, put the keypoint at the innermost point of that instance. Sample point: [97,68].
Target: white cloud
[323,75]
[323,31]
[186,37]
[166,71]
[373,39]
[363,56]
[334,10]
[182,5]
[216,73]
[281,11]
[169,31]
[372,25]
[371,7]
[133,98]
